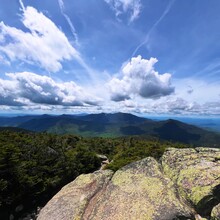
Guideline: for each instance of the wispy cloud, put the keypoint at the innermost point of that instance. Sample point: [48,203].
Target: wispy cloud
[4,61]
[22,5]
[133,7]
[44,44]
[193,89]
[147,37]
[38,45]
[212,69]
[72,28]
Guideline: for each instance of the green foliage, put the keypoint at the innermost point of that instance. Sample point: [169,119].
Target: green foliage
[32,165]
[36,165]
[133,149]
[115,125]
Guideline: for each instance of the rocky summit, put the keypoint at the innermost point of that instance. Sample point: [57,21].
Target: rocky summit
[184,184]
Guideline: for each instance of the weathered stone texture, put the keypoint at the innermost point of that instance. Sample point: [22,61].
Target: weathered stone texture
[185,184]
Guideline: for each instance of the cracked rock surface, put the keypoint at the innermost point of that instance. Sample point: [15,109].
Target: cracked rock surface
[185,184]
[196,174]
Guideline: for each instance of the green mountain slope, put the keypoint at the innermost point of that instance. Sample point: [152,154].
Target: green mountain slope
[118,125]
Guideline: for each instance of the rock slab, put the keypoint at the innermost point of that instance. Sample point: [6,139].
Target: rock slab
[196,173]
[183,185]
[71,201]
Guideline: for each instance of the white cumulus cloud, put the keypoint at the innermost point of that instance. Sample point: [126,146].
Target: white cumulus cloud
[8,93]
[43,43]
[133,7]
[140,79]
[27,88]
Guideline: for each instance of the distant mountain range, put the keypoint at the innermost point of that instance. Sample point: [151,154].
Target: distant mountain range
[114,125]
[208,123]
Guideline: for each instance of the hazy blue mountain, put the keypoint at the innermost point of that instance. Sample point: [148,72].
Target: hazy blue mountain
[114,118]
[209,123]
[17,120]
[115,125]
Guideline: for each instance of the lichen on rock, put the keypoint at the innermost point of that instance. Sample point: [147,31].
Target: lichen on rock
[139,191]
[196,173]
[216,212]
[184,185]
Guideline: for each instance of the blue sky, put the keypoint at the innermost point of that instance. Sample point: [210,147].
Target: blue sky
[139,56]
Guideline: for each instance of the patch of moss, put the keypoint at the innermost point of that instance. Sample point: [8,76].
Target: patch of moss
[199,192]
[84,179]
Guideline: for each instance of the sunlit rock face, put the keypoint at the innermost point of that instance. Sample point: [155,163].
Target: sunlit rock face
[184,184]
[196,173]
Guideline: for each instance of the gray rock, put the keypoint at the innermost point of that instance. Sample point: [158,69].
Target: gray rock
[138,191]
[71,201]
[184,186]
[216,212]
[196,173]
[19,208]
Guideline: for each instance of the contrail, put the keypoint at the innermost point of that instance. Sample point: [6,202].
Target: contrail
[93,77]
[91,73]
[22,5]
[72,28]
[153,27]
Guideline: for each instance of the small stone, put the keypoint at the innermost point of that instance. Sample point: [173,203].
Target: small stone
[19,208]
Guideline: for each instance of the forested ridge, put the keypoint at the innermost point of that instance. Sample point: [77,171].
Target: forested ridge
[114,125]
[34,166]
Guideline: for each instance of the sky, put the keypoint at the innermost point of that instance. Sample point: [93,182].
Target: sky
[151,57]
